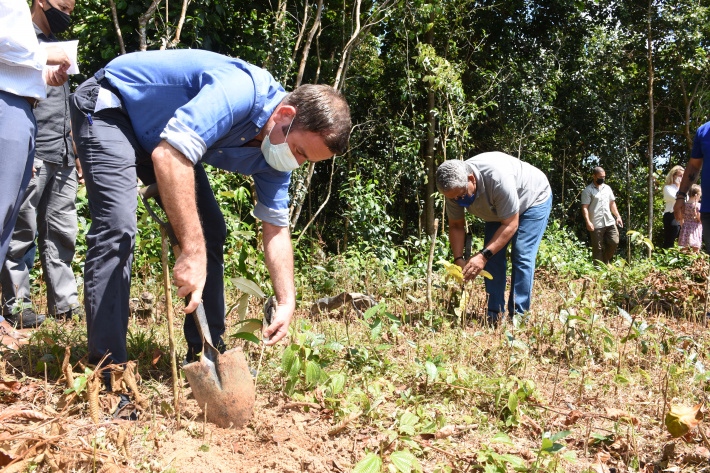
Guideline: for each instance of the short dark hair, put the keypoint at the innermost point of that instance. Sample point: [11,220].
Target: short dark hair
[598,170]
[323,110]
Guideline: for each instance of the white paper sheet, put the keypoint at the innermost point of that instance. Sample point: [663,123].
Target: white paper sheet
[69,48]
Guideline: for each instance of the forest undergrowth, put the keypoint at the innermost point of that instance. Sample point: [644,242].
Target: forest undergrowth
[583,383]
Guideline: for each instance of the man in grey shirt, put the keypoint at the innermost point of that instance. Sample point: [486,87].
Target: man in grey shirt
[601,216]
[48,205]
[514,199]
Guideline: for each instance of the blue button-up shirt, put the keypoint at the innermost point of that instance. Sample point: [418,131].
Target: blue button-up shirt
[207,106]
[701,150]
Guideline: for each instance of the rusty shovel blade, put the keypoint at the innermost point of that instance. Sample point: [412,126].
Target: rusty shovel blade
[224,389]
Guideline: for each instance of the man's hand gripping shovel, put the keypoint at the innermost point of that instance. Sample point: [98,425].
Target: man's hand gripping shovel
[221,383]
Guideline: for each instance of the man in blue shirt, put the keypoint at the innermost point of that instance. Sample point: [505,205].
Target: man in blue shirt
[156,116]
[701,150]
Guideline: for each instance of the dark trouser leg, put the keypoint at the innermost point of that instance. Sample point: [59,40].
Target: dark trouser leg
[17,149]
[671,229]
[57,226]
[597,238]
[15,276]
[108,151]
[215,232]
[705,220]
[497,267]
[611,241]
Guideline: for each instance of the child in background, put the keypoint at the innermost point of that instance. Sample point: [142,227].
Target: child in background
[691,232]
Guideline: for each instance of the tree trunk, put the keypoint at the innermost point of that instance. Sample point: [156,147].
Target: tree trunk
[307,46]
[651,124]
[143,22]
[278,25]
[430,146]
[298,42]
[114,15]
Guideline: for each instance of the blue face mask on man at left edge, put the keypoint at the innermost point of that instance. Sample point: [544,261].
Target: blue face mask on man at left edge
[466,200]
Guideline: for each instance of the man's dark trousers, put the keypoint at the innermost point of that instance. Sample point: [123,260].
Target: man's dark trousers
[112,159]
[17,150]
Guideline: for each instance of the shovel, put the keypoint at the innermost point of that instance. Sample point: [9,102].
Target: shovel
[221,383]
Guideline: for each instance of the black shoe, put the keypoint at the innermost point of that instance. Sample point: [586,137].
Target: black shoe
[126,410]
[28,318]
[64,316]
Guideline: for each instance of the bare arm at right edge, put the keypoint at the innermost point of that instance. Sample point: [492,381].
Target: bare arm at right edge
[690,177]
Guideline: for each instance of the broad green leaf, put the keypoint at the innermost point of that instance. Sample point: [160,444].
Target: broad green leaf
[295,368]
[247,286]
[313,372]
[369,313]
[404,461]
[288,356]
[513,402]
[250,325]
[453,271]
[514,460]
[501,437]
[560,435]
[372,463]
[407,418]
[243,306]
[248,336]
[79,383]
[337,383]
[431,371]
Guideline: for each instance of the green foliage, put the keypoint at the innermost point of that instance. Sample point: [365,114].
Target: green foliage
[561,251]
[304,360]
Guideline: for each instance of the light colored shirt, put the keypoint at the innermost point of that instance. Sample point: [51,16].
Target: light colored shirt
[207,106]
[669,192]
[599,200]
[21,57]
[505,186]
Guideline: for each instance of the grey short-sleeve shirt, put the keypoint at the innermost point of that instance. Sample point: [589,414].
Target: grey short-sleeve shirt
[505,186]
[598,199]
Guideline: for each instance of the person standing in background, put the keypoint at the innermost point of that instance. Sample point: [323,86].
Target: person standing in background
[671,227]
[701,149]
[691,232]
[49,204]
[601,216]
[23,77]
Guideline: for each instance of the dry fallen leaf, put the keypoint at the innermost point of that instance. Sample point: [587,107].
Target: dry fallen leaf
[682,419]
[618,414]
[10,386]
[445,432]
[573,417]
[157,353]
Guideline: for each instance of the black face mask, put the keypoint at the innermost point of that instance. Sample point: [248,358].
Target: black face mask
[57,19]
[600,181]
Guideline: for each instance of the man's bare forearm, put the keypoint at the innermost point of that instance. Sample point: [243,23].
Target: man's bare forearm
[278,254]
[176,183]
[457,236]
[691,175]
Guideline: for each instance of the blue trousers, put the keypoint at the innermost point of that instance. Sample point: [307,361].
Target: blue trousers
[112,159]
[525,243]
[17,150]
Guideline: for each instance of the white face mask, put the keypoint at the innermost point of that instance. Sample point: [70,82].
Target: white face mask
[677,180]
[280,156]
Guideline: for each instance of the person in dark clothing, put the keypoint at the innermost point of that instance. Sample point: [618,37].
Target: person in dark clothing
[48,206]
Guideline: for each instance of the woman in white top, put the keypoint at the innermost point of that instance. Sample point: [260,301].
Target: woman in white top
[671,228]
